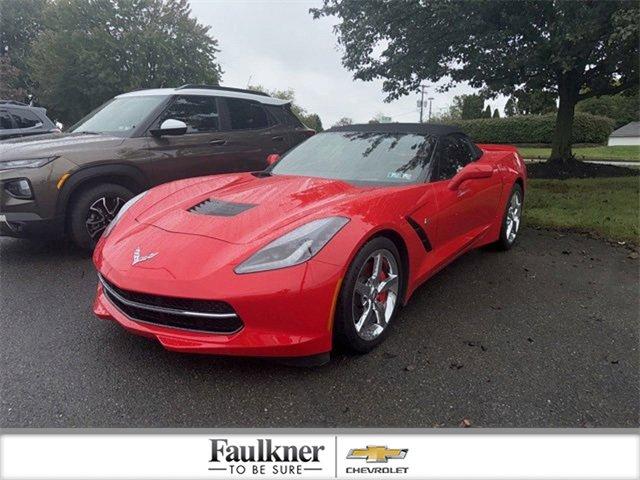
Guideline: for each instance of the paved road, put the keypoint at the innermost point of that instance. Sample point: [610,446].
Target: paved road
[543,336]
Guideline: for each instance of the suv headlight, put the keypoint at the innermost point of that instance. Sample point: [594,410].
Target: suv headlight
[295,247]
[25,163]
[122,211]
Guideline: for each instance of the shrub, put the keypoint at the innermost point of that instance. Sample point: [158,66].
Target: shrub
[535,129]
[622,108]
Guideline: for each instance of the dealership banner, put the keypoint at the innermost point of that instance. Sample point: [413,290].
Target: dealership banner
[315,456]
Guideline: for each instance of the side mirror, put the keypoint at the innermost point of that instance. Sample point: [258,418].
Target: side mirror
[273,158]
[470,172]
[170,126]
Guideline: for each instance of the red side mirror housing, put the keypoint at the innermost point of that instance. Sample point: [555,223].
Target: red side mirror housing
[470,172]
[273,158]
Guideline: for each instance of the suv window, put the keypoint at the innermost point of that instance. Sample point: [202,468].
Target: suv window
[246,115]
[199,113]
[25,118]
[453,154]
[5,121]
[284,116]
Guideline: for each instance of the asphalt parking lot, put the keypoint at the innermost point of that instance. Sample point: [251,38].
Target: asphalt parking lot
[546,335]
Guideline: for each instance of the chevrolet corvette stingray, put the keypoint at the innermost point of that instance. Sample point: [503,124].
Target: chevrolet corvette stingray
[323,246]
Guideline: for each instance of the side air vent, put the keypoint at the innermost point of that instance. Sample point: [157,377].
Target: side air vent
[219,208]
[421,233]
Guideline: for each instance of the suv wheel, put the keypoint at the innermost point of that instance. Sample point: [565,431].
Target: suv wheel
[92,210]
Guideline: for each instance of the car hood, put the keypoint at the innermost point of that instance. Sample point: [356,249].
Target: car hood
[54,144]
[240,209]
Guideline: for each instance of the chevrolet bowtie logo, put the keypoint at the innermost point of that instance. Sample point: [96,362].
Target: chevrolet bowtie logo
[377,454]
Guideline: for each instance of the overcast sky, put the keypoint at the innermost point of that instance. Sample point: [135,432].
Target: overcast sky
[278,44]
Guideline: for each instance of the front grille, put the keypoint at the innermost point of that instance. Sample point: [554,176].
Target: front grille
[191,314]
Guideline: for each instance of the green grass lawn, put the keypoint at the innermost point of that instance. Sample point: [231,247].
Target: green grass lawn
[626,153]
[607,207]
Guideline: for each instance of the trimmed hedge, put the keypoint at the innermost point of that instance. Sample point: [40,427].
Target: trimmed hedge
[535,129]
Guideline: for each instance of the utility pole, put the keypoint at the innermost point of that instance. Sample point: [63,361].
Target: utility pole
[422,90]
[430,104]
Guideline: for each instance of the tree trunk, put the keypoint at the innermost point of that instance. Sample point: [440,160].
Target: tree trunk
[568,89]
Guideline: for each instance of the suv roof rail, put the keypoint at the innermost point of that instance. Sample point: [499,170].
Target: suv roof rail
[218,87]
[13,102]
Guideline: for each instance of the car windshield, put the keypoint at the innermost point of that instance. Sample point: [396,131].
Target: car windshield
[120,116]
[368,157]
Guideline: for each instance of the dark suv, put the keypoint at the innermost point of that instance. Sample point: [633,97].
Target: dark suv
[76,182]
[21,120]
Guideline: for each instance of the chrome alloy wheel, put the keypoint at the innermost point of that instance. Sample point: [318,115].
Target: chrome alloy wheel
[100,214]
[375,294]
[512,221]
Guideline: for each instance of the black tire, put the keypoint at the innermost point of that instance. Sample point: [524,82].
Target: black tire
[504,242]
[81,209]
[345,332]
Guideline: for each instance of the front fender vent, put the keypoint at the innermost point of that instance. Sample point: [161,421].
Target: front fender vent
[220,208]
[421,233]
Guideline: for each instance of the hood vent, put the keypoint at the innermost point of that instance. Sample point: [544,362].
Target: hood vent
[219,208]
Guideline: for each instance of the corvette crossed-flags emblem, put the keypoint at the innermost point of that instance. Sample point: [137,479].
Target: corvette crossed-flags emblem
[137,258]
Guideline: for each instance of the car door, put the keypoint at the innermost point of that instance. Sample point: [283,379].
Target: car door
[200,151]
[251,134]
[466,211]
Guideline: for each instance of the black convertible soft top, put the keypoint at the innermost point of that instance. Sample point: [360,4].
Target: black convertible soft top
[416,128]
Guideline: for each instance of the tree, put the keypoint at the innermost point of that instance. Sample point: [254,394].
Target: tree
[311,120]
[574,49]
[511,107]
[621,108]
[380,117]
[467,107]
[496,113]
[487,112]
[343,122]
[9,76]
[21,21]
[531,103]
[91,50]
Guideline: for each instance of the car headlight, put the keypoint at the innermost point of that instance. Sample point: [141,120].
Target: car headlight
[25,163]
[295,247]
[122,211]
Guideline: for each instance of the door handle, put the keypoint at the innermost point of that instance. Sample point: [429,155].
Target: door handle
[277,138]
[217,142]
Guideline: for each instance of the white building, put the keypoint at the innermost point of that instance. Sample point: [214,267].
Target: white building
[627,135]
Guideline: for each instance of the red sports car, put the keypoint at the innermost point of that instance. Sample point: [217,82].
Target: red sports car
[323,246]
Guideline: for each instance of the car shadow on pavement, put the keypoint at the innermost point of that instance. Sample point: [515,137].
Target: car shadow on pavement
[34,250]
[407,320]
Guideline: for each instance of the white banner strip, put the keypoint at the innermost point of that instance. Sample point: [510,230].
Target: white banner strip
[219,456]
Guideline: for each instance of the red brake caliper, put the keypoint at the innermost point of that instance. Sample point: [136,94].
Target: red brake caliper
[382,296]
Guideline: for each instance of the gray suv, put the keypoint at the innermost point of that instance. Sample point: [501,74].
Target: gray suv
[75,182]
[21,120]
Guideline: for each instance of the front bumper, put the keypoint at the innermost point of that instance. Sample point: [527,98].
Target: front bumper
[30,225]
[35,217]
[290,314]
